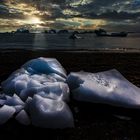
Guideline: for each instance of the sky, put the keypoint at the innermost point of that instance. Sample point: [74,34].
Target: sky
[112,15]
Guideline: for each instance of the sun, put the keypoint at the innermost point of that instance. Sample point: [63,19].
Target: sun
[34,20]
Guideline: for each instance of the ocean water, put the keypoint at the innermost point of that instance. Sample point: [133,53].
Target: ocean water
[62,41]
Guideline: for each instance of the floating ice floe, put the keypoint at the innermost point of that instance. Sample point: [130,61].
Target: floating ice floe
[108,87]
[50,113]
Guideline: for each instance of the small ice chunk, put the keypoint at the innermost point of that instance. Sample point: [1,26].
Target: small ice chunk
[14,100]
[6,112]
[27,102]
[42,78]
[15,83]
[45,66]
[2,102]
[29,92]
[20,85]
[29,99]
[2,99]
[56,90]
[23,118]
[108,87]
[18,108]
[57,77]
[49,113]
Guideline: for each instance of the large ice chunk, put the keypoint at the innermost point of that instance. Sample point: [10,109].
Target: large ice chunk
[50,113]
[108,87]
[6,112]
[44,66]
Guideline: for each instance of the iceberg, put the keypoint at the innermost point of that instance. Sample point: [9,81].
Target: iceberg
[45,66]
[6,112]
[108,87]
[48,113]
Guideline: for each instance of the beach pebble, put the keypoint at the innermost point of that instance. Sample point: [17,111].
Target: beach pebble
[108,87]
[23,118]
[6,112]
[48,113]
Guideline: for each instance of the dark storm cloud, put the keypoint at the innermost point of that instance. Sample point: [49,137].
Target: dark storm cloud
[6,13]
[114,12]
[114,15]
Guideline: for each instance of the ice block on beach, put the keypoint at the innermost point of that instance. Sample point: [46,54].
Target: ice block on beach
[38,88]
[108,87]
[49,77]
[50,113]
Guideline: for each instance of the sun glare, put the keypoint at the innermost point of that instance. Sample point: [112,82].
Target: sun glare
[34,20]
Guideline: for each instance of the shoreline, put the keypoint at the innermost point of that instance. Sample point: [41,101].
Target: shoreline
[68,50]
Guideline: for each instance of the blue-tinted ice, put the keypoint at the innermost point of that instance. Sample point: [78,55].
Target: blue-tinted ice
[38,84]
[108,87]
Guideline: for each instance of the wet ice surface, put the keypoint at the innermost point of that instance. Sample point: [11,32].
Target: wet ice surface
[108,87]
[38,93]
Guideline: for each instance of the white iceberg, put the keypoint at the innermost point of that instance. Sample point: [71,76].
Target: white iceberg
[23,118]
[108,87]
[6,112]
[44,66]
[49,113]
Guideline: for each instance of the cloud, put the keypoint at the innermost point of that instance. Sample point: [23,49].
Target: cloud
[64,13]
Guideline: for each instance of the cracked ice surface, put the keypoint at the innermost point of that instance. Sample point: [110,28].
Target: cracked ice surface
[108,87]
